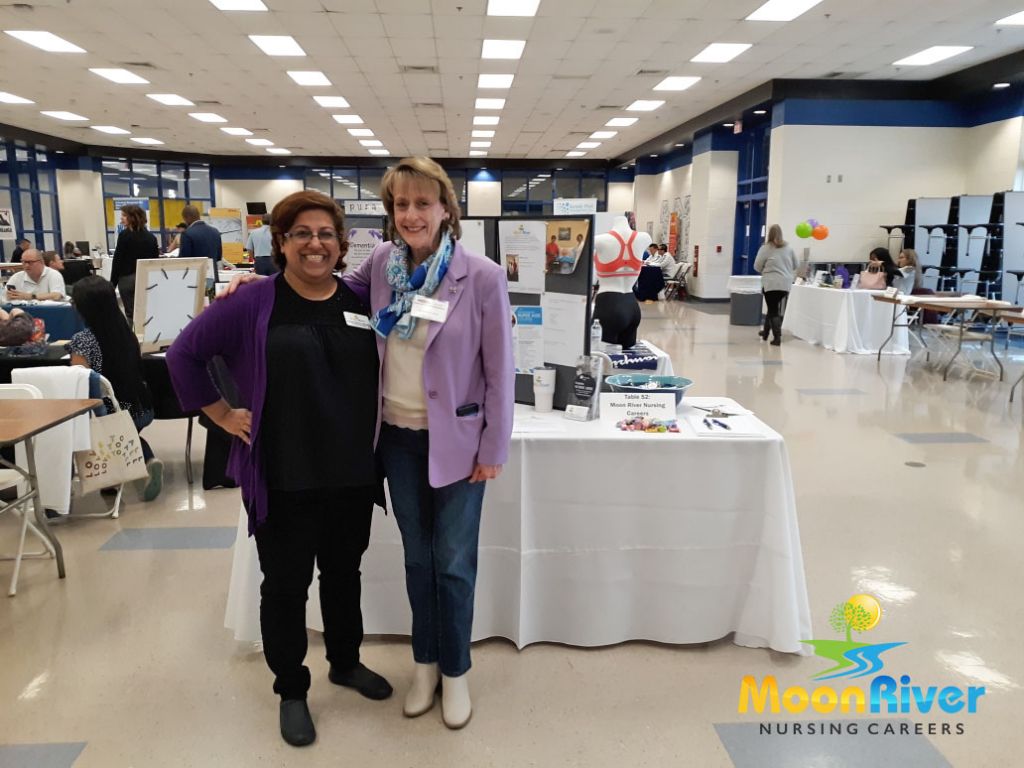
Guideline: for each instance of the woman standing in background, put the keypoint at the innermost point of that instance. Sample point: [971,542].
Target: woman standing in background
[777,264]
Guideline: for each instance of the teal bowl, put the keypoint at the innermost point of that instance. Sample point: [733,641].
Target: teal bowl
[642,382]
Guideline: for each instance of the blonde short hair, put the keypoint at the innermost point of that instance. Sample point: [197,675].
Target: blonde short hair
[422,169]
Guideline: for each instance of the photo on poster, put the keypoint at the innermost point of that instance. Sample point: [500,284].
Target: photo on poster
[563,259]
[522,254]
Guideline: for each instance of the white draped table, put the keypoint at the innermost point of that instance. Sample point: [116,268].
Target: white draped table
[592,537]
[842,320]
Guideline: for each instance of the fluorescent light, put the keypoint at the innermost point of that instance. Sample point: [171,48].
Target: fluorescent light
[170,99]
[260,142]
[495,81]
[278,151]
[1015,20]
[207,117]
[360,132]
[478,153]
[379,152]
[485,120]
[146,140]
[512,7]
[348,119]
[652,155]
[112,129]
[502,49]
[588,145]
[309,78]
[483,134]
[122,76]
[239,5]
[10,98]
[782,10]
[728,125]
[574,153]
[621,122]
[480,144]
[371,142]
[719,53]
[604,134]
[1000,86]
[490,103]
[61,115]
[760,111]
[278,45]
[331,102]
[46,41]
[932,55]
[643,105]
[237,131]
[676,83]
[679,145]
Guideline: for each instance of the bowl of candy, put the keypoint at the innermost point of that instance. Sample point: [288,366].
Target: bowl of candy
[641,382]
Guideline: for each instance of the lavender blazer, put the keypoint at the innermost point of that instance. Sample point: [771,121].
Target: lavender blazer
[468,359]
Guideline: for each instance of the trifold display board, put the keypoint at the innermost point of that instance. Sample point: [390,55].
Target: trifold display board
[364,234]
[548,261]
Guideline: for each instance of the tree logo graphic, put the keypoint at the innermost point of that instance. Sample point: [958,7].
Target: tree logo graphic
[861,613]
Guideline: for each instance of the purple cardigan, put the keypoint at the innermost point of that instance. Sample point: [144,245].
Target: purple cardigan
[236,329]
[468,359]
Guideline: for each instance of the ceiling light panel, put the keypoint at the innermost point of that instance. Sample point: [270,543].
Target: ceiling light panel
[490,103]
[332,102]
[643,105]
[62,115]
[239,5]
[932,55]
[146,140]
[483,134]
[278,45]
[621,122]
[676,83]
[207,117]
[237,131]
[575,153]
[1016,19]
[379,152]
[495,81]
[279,151]
[121,76]
[360,132]
[478,153]
[312,78]
[720,53]
[260,142]
[111,129]
[170,99]
[371,142]
[480,144]
[604,134]
[10,98]
[782,10]
[512,7]
[485,120]
[46,41]
[502,49]
[588,145]
[348,119]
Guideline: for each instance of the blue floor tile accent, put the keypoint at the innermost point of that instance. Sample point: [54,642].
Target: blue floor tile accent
[831,392]
[40,755]
[171,538]
[940,438]
[749,748]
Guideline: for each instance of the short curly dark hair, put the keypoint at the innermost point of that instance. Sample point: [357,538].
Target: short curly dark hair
[287,210]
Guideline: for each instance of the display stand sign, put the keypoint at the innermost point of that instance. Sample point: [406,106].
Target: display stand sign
[6,224]
[168,294]
[586,387]
[619,406]
[361,242]
[121,202]
[365,208]
[574,206]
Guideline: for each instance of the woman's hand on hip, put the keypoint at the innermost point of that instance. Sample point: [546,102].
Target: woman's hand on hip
[237,422]
[237,281]
[483,472]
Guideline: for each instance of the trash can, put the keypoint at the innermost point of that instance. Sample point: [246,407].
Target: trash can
[745,300]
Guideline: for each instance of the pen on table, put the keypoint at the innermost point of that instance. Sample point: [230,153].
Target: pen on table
[708,424]
[722,424]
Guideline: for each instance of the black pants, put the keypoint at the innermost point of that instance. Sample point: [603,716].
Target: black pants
[620,317]
[295,534]
[773,320]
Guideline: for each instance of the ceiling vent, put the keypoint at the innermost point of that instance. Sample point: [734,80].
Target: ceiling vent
[843,75]
[427,105]
[208,102]
[616,107]
[419,70]
[652,73]
[138,64]
[570,77]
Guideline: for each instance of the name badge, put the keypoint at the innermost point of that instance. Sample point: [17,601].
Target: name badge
[357,321]
[430,309]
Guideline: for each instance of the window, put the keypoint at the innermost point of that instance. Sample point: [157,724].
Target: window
[28,186]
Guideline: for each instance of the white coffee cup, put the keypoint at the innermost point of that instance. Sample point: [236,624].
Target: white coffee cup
[543,389]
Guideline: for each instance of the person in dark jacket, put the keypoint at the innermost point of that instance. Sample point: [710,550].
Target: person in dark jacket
[135,242]
[199,239]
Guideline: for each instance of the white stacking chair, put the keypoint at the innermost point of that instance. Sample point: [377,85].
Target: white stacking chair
[26,495]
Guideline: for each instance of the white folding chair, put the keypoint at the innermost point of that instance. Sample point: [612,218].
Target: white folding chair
[677,282]
[11,477]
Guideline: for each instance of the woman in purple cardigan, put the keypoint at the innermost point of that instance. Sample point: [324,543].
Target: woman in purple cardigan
[444,339]
[302,354]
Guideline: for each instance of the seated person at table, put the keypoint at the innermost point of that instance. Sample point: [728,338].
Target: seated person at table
[53,260]
[909,279]
[880,258]
[16,328]
[36,281]
[661,259]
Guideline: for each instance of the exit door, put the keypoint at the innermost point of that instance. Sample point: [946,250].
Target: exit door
[750,234]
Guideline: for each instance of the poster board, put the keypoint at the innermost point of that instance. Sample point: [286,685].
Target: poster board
[7,224]
[168,294]
[228,221]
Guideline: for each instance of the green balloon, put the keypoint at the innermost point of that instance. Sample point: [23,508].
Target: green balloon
[804,230]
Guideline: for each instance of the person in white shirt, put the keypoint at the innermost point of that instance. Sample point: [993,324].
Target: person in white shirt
[260,245]
[35,281]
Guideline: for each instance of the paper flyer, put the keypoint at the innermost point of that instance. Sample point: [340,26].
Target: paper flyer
[521,247]
[528,338]
[361,243]
[565,319]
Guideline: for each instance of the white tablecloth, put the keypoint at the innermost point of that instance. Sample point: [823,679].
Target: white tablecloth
[842,320]
[592,537]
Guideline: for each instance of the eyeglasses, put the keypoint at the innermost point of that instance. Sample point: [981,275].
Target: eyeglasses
[304,236]
[31,261]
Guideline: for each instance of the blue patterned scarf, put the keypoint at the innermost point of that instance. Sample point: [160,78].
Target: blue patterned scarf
[405,287]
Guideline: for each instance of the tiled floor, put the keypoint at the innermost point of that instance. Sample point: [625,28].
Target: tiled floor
[129,656]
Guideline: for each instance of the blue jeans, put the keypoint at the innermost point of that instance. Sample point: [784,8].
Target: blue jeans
[440,533]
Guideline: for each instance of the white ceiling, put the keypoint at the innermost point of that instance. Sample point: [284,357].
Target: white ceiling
[578,70]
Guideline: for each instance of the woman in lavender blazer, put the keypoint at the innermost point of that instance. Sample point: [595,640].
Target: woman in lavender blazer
[444,340]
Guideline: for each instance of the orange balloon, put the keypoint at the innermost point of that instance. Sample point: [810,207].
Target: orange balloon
[820,232]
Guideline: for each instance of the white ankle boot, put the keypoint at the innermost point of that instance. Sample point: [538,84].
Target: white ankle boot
[420,698]
[456,708]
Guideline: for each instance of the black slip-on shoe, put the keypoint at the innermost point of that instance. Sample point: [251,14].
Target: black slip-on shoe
[366,681]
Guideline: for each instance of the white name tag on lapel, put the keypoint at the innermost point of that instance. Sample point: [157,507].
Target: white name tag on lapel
[430,309]
[352,320]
